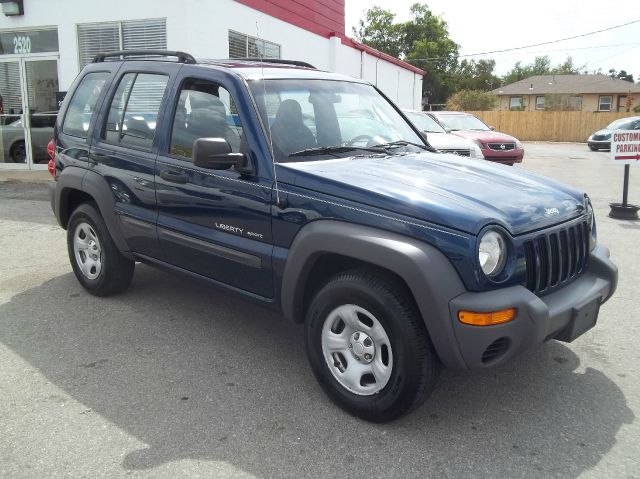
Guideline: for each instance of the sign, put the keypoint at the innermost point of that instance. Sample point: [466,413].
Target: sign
[24,42]
[625,146]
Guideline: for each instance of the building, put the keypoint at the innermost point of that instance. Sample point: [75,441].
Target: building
[569,92]
[44,45]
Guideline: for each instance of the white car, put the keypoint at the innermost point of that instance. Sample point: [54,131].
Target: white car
[440,139]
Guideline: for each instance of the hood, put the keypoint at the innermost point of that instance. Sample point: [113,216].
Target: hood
[603,132]
[446,141]
[485,136]
[442,189]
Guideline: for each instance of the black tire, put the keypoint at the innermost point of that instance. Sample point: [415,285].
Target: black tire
[593,148]
[116,271]
[415,366]
[18,152]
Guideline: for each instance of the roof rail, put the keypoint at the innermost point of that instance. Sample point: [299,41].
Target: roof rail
[182,56]
[297,63]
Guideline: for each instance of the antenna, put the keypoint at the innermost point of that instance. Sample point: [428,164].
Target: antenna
[264,90]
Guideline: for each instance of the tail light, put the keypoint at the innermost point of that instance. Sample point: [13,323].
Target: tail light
[51,150]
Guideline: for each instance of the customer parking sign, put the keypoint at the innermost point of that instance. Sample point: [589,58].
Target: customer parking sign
[625,146]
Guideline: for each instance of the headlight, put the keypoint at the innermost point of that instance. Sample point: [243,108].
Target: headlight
[591,222]
[492,253]
[476,152]
[519,145]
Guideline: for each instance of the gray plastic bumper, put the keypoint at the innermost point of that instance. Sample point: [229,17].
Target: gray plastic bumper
[564,314]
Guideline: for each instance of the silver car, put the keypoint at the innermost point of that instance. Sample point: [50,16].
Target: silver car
[12,138]
[440,139]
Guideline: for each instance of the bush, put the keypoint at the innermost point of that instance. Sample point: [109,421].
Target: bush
[471,100]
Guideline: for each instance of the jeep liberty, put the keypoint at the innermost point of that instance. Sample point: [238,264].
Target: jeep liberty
[309,192]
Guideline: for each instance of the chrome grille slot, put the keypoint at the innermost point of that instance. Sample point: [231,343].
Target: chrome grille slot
[556,258]
[499,146]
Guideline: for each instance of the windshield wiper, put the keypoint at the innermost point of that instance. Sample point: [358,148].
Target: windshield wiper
[331,150]
[391,144]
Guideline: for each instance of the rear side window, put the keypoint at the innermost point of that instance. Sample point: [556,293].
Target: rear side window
[134,110]
[83,104]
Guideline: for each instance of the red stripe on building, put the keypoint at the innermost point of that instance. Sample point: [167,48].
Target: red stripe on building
[322,17]
[350,42]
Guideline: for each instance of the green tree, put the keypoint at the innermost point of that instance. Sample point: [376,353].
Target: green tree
[623,75]
[422,41]
[471,100]
[476,75]
[379,31]
[540,66]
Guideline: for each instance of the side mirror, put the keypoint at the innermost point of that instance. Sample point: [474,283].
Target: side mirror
[215,154]
[492,128]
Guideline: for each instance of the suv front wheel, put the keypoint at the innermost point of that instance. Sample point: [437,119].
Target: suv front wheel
[95,259]
[368,346]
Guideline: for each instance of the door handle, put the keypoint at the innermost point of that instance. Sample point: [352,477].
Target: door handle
[174,176]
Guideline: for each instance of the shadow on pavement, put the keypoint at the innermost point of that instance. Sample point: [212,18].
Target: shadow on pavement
[197,374]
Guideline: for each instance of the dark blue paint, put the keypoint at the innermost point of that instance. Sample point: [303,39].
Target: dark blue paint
[440,199]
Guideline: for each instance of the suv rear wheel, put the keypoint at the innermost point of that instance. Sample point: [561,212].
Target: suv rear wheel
[96,261]
[368,346]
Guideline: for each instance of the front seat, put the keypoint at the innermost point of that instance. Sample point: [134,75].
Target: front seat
[288,131]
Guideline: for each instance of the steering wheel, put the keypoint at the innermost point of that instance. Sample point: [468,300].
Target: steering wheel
[359,138]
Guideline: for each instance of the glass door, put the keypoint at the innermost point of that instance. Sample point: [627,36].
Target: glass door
[13,150]
[28,110]
[41,90]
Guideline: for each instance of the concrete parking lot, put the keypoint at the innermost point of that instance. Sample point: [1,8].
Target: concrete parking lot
[175,379]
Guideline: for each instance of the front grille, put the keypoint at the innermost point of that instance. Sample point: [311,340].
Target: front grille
[557,257]
[501,158]
[456,152]
[498,146]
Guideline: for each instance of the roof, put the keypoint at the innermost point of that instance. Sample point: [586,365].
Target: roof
[254,70]
[568,84]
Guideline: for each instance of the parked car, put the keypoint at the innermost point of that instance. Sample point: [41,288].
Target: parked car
[601,139]
[496,147]
[438,137]
[396,258]
[13,138]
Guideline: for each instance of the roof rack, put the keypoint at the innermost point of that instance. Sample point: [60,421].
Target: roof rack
[182,56]
[297,63]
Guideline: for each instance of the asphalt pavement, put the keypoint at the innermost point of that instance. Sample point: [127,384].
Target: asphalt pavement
[176,379]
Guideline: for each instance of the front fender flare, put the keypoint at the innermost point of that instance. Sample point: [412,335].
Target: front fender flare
[430,276]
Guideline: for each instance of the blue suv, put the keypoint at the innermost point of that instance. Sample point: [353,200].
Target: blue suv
[311,193]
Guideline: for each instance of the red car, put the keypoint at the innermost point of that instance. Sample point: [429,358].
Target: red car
[497,147]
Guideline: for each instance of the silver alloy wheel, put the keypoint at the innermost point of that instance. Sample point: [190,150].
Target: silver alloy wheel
[87,250]
[357,350]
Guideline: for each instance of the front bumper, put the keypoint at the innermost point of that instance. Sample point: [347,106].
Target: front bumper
[508,157]
[553,316]
[602,144]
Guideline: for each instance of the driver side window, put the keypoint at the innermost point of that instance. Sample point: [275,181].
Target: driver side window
[205,110]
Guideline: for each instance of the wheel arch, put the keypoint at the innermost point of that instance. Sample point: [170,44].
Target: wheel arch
[424,270]
[76,186]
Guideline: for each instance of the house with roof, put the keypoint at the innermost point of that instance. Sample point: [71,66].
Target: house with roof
[569,93]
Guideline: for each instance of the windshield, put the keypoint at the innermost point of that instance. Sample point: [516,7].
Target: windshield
[623,124]
[309,119]
[462,122]
[424,122]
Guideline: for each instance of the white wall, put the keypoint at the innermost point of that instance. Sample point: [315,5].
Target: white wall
[201,27]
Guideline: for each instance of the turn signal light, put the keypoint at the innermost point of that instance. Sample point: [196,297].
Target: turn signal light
[487,319]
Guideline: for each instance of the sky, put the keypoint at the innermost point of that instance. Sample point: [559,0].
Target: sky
[498,24]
